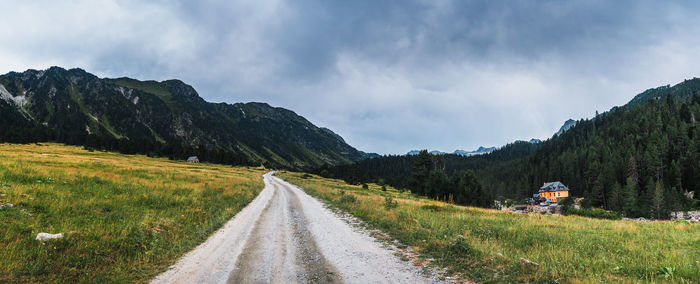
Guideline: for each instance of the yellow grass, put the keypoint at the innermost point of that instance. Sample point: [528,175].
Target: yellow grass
[124,217]
[486,245]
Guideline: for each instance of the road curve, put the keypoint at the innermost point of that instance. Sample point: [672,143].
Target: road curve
[287,236]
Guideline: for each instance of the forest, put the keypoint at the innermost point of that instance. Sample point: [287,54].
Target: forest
[641,160]
[20,131]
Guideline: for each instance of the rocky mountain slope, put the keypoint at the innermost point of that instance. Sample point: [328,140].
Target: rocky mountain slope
[681,90]
[76,101]
[567,124]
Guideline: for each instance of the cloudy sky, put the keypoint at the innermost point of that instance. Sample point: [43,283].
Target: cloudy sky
[389,76]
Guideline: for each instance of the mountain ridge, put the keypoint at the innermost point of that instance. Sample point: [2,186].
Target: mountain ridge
[479,151]
[73,100]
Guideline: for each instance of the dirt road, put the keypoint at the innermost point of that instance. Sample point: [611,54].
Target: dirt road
[287,236]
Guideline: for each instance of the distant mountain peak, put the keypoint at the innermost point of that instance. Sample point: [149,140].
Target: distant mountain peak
[480,151]
[567,124]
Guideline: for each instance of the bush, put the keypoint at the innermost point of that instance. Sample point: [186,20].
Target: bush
[461,247]
[383,187]
[439,208]
[390,203]
[365,186]
[349,198]
[594,213]
[566,203]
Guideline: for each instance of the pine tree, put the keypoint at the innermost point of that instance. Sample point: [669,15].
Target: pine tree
[675,175]
[646,198]
[658,210]
[436,185]
[632,171]
[597,197]
[629,201]
[420,170]
[615,198]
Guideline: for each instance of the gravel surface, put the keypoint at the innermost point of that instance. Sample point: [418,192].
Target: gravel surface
[287,236]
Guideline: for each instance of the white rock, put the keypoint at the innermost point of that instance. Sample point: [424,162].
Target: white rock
[43,237]
[525,261]
[6,96]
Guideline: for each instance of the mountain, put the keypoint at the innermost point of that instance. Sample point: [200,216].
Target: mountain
[531,141]
[567,124]
[479,151]
[75,101]
[433,152]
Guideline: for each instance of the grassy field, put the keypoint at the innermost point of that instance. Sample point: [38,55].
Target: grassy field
[486,245]
[124,217]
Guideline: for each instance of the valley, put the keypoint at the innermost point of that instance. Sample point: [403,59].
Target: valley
[349,141]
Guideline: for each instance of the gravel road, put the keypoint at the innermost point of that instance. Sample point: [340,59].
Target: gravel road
[287,236]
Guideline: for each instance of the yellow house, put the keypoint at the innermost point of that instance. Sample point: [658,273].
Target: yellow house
[554,191]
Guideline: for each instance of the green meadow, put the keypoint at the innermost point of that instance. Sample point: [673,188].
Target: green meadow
[486,245]
[124,218]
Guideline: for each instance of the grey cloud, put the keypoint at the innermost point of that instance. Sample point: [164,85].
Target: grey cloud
[389,76]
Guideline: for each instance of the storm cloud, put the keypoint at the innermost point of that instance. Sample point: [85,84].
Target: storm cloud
[388,76]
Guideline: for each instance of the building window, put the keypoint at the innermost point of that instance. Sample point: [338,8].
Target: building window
[558,194]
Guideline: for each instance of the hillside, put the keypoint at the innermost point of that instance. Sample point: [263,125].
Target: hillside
[640,159]
[71,104]
[488,246]
[124,218]
[685,89]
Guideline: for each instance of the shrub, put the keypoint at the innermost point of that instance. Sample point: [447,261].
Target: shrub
[594,213]
[383,187]
[305,176]
[439,208]
[390,203]
[365,186]
[461,247]
[566,203]
[666,272]
[349,198]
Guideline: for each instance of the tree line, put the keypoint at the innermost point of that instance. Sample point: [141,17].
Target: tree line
[641,160]
[24,132]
